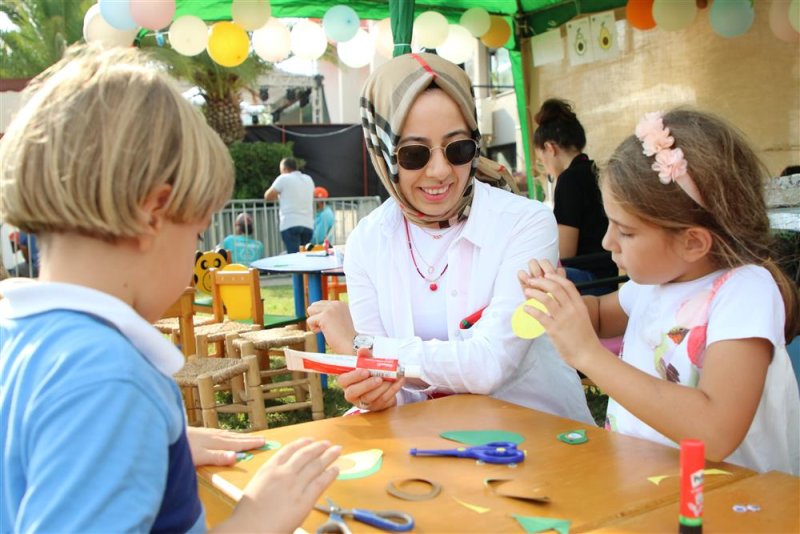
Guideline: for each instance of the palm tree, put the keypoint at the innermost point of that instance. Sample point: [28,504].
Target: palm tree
[45,29]
[219,86]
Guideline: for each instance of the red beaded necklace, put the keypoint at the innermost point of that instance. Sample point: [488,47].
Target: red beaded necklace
[433,285]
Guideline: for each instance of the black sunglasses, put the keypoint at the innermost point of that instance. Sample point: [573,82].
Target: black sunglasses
[415,157]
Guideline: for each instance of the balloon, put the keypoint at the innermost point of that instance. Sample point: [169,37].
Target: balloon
[779,22]
[382,35]
[672,16]
[794,15]
[152,14]
[96,29]
[272,42]
[640,14]
[117,13]
[358,51]
[308,40]
[731,18]
[498,33]
[340,23]
[476,20]
[459,45]
[228,44]
[250,14]
[430,29]
[188,35]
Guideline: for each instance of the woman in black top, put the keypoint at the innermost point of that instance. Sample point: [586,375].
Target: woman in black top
[578,207]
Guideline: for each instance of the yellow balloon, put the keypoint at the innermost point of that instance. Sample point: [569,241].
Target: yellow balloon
[228,44]
[498,33]
[525,326]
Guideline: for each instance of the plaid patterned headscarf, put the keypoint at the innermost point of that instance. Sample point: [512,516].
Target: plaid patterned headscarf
[388,94]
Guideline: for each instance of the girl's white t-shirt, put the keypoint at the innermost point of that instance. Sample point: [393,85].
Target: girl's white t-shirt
[670,326]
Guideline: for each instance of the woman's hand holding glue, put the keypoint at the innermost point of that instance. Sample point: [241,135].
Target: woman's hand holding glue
[369,383]
[565,317]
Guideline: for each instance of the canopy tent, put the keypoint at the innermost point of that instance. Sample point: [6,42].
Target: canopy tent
[527,17]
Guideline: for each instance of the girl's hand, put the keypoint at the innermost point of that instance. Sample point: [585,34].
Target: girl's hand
[367,392]
[537,269]
[567,319]
[212,446]
[332,318]
[283,490]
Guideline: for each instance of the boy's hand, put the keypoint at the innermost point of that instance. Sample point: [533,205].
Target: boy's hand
[284,490]
[211,446]
[332,318]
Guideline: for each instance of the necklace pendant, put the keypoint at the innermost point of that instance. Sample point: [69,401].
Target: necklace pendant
[430,270]
[434,286]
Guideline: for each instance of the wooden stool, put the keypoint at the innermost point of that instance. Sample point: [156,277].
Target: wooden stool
[206,373]
[306,387]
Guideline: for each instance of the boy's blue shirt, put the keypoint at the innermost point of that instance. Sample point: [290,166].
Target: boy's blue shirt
[93,432]
[323,222]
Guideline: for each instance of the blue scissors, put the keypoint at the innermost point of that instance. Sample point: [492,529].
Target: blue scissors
[387,520]
[496,452]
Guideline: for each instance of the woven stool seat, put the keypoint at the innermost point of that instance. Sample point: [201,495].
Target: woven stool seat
[272,338]
[172,324]
[219,369]
[217,331]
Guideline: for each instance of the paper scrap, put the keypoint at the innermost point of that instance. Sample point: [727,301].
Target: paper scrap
[516,491]
[473,507]
[359,464]
[482,437]
[542,524]
[706,472]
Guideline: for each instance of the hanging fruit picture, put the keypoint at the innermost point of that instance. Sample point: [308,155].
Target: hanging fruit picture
[580,43]
[605,37]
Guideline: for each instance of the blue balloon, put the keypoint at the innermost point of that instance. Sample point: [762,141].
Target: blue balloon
[731,18]
[340,23]
[118,14]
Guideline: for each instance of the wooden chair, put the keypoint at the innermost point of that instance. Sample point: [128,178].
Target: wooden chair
[332,286]
[305,389]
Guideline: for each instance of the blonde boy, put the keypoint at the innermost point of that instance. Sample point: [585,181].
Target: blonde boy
[116,174]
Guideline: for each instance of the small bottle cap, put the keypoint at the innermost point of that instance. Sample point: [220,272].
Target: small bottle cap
[411,371]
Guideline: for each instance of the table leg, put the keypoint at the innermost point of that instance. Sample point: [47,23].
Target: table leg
[315,294]
[299,298]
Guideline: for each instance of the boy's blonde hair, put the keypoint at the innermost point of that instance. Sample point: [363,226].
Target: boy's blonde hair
[730,178]
[100,130]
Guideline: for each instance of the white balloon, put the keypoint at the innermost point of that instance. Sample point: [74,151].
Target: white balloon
[250,14]
[459,45]
[308,40]
[476,20]
[272,42]
[188,35]
[381,33]
[358,51]
[430,29]
[96,29]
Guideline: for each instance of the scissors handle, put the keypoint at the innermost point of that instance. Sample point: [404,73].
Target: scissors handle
[387,520]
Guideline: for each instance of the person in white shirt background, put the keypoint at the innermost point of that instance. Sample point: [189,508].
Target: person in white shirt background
[294,192]
[444,246]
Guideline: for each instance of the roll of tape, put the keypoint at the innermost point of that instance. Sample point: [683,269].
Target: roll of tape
[393,488]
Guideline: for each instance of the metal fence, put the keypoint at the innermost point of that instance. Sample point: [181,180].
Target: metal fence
[347,212]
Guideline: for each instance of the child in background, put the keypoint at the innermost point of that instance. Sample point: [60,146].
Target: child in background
[244,249]
[706,315]
[116,174]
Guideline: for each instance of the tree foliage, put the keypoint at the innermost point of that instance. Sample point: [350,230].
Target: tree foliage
[256,166]
[45,29]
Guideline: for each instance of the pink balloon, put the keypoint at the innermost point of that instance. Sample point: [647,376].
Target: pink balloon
[152,14]
[779,22]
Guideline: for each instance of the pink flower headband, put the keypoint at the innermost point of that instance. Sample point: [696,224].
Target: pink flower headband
[670,163]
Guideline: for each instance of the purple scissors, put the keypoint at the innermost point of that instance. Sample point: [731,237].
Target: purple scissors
[496,452]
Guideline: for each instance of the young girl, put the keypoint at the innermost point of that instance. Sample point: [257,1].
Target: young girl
[707,313]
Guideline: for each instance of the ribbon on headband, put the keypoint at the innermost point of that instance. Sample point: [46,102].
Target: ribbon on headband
[670,163]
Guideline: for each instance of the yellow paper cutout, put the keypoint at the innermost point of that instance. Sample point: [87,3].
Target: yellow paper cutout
[359,464]
[525,326]
[706,472]
[473,507]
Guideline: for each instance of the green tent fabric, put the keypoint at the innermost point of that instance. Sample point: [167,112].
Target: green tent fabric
[527,17]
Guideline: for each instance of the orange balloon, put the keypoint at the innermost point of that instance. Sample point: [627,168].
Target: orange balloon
[498,34]
[228,44]
[640,14]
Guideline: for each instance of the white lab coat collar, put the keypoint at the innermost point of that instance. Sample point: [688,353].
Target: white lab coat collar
[23,298]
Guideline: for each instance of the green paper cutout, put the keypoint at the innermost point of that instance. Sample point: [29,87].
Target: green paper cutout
[359,471]
[542,524]
[573,437]
[269,446]
[482,437]
[243,456]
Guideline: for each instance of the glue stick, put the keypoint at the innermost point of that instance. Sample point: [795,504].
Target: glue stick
[690,520]
[334,364]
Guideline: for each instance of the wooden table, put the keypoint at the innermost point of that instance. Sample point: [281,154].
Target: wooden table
[591,484]
[776,493]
